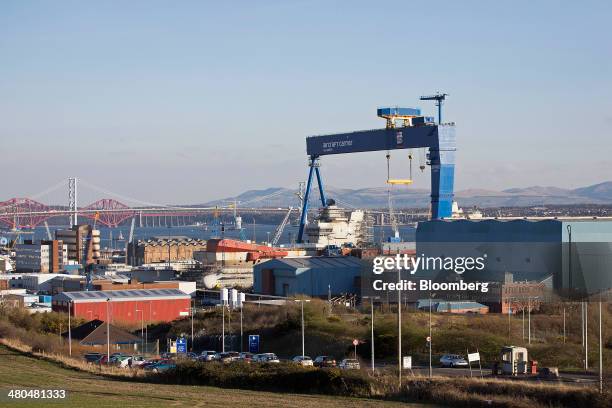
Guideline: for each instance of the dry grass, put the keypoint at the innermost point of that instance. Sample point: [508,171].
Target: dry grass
[459,392]
[88,390]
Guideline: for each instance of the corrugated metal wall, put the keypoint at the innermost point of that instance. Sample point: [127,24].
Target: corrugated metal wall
[131,311]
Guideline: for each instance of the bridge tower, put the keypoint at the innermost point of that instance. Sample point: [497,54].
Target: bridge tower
[72,201]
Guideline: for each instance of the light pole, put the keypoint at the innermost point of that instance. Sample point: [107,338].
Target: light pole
[302,307]
[430,339]
[241,339]
[529,318]
[372,298]
[169,248]
[399,329]
[192,313]
[70,331]
[600,353]
[563,324]
[147,327]
[107,331]
[523,307]
[509,315]
[529,315]
[586,336]
[141,327]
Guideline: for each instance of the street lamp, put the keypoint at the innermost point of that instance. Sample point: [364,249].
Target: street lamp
[372,298]
[430,338]
[510,299]
[192,313]
[302,304]
[107,331]
[241,299]
[529,315]
[142,326]
[69,330]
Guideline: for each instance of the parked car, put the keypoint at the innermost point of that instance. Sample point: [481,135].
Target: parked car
[161,366]
[303,360]
[208,355]
[227,357]
[138,361]
[92,357]
[120,360]
[349,364]
[266,358]
[149,363]
[324,361]
[131,361]
[246,356]
[187,356]
[453,360]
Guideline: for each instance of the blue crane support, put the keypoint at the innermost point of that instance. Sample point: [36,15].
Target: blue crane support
[440,139]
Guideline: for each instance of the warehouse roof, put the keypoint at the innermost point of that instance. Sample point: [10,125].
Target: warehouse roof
[94,333]
[314,262]
[443,305]
[114,295]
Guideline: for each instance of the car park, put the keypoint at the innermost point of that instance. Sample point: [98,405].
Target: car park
[453,360]
[303,360]
[349,364]
[324,361]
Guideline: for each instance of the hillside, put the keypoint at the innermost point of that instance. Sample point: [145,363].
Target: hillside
[376,197]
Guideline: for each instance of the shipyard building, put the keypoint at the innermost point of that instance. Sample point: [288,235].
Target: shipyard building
[312,276]
[128,306]
[163,249]
[564,254]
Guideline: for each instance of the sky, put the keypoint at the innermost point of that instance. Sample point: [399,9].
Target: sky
[190,101]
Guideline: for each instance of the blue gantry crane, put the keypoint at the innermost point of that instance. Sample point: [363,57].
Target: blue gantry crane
[416,131]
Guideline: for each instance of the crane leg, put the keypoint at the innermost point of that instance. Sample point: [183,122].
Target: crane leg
[305,203]
[320,183]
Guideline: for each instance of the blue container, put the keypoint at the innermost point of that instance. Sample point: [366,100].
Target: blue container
[398,111]
[45,298]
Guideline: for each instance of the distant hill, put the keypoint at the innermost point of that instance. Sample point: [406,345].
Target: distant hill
[376,197]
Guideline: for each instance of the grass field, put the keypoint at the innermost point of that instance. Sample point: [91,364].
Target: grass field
[84,389]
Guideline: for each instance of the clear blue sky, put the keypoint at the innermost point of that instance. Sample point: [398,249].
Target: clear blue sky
[187,101]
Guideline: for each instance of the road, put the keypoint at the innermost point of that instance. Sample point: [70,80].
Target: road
[575,378]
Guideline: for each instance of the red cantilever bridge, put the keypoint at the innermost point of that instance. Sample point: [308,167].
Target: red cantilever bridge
[27,213]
